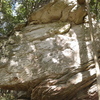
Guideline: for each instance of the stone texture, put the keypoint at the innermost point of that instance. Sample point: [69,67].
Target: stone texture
[41,50]
[63,10]
[51,58]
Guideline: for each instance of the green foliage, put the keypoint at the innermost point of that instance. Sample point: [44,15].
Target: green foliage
[95,7]
[21,13]
[8,18]
[8,96]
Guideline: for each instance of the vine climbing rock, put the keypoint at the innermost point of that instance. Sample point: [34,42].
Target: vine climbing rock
[63,10]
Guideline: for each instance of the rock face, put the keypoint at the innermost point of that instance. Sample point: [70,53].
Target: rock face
[50,61]
[63,10]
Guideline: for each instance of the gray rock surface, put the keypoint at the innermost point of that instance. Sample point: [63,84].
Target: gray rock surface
[42,50]
[50,55]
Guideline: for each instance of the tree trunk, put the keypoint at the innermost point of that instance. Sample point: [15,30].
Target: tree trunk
[94,48]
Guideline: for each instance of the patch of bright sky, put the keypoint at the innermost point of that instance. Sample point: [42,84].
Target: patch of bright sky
[14,8]
[1,15]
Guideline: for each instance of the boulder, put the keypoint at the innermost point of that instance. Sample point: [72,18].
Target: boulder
[50,61]
[64,10]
